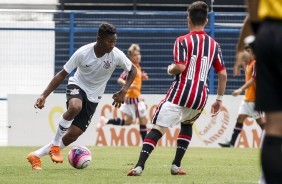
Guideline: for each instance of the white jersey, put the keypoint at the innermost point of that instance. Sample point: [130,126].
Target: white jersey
[93,73]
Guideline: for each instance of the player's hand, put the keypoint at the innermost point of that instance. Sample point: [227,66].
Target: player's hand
[169,68]
[39,104]
[216,107]
[118,98]
[144,75]
[132,86]
[242,57]
[236,92]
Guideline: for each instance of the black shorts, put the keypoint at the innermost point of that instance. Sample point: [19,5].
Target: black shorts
[83,119]
[268,51]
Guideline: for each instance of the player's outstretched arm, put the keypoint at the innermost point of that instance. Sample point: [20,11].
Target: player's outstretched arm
[245,86]
[55,82]
[216,106]
[240,53]
[222,79]
[119,96]
[250,26]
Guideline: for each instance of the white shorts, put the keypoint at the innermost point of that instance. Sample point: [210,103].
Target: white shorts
[168,115]
[248,108]
[134,110]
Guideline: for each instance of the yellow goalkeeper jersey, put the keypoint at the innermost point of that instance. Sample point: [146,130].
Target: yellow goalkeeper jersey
[271,9]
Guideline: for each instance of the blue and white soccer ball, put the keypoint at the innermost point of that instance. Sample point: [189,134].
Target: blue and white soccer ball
[79,157]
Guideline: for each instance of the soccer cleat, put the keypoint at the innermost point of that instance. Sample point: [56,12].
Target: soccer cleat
[174,170]
[102,122]
[225,145]
[135,171]
[34,161]
[55,155]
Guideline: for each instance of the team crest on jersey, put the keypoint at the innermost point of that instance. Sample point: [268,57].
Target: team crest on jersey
[107,65]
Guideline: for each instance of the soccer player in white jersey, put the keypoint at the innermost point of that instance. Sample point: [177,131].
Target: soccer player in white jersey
[95,63]
[194,54]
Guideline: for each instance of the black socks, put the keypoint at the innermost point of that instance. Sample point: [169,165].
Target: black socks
[117,121]
[149,144]
[237,130]
[183,140]
[271,159]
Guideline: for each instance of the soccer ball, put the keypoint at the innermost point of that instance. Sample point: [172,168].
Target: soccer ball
[79,157]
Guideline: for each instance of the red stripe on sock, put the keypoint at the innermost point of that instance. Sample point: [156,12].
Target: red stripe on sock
[184,137]
[150,141]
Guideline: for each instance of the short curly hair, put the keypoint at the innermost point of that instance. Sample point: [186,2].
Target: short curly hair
[106,29]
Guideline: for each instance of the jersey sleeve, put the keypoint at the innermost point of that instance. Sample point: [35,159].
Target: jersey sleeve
[73,62]
[218,63]
[123,61]
[179,51]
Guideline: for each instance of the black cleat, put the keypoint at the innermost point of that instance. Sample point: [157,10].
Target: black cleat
[225,145]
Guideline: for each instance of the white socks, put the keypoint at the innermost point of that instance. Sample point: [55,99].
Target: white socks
[62,146]
[45,149]
[62,129]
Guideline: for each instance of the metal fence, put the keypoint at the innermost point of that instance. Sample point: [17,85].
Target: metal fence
[155,32]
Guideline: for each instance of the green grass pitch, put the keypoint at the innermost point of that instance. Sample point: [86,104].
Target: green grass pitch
[111,164]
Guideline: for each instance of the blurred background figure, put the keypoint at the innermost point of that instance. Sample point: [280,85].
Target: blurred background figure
[247,107]
[265,23]
[134,106]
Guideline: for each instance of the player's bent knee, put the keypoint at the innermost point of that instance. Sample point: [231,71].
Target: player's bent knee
[74,110]
[128,121]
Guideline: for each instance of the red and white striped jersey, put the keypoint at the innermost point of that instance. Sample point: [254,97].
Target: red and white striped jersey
[198,51]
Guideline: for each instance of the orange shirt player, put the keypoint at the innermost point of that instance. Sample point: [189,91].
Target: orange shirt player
[134,107]
[247,107]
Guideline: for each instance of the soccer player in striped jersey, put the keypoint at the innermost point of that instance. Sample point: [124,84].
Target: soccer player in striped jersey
[247,107]
[134,107]
[94,64]
[194,55]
